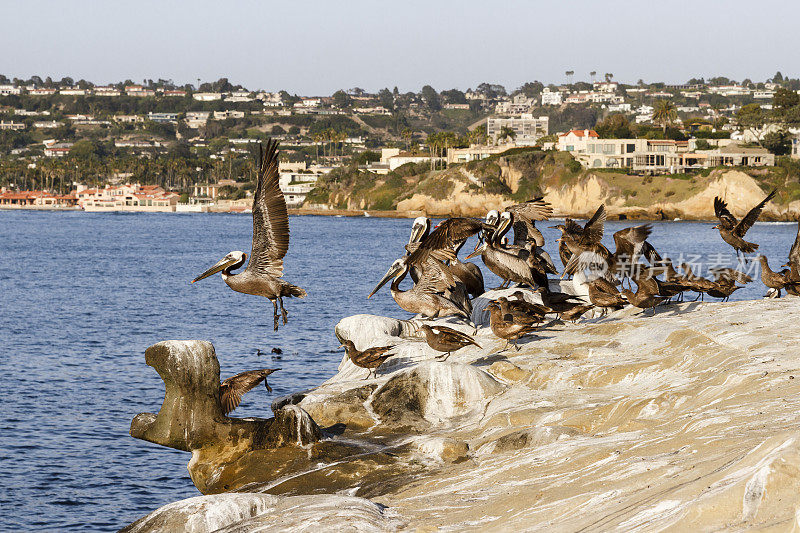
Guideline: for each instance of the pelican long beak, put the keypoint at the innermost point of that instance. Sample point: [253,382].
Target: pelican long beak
[478,251]
[392,272]
[222,265]
[416,233]
[715,227]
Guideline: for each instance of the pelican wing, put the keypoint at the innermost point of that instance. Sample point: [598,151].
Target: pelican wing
[436,277]
[373,357]
[573,228]
[270,219]
[593,230]
[750,218]
[536,209]
[232,389]
[445,237]
[725,217]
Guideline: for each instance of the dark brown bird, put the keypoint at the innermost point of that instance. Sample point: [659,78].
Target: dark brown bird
[524,217]
[725,282]
[776,280]
[732,230]
[572,232]
[521,311]
[232,389]
[371,358]
[643,298]
[576,312]
[444,339]
[558,302]
[603,293]
[519,302]
[443,240]
[263,275]
[794,258]
[698,284]
[505,327]
[585,249]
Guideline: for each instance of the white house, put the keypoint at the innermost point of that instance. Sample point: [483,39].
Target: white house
[207,97]
[551,97]
[528,128]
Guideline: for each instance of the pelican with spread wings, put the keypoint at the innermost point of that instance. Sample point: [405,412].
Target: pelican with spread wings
[262,277]
[732,230]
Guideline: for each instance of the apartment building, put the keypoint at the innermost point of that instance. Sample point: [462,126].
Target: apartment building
[528,128]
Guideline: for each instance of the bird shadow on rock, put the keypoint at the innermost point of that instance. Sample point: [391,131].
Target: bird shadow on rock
[488,360]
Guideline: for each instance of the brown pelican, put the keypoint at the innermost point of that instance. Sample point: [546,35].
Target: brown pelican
[539,258]
[262,277]
[444,339]
[775,280]
[442,241]
[232,389]
[572,232]
[524,217]
[505,327]
[732,230]
[371,358]
[514,264]
[467,273]
[426,296]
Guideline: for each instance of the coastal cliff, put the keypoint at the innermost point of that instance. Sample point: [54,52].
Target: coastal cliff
[687,419]
[472,189]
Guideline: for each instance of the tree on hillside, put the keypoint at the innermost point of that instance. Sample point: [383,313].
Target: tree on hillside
[778,142]
[569,75]
[784,98]
[454,96]
[592,74]
[531,89]
[407,134]
[751,117]
[609,76]
[664,113]
[386,99]
[614,126]
[341,99]
[431,98]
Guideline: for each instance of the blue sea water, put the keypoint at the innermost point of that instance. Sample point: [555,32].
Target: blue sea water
[82,295]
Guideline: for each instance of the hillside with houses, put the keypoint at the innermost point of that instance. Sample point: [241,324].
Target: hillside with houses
[193,145]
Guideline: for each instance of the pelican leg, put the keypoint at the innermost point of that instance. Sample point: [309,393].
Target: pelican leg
[284,312]
[516,346]
[275,313]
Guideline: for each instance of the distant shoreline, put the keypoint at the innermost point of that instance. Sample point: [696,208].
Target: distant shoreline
[351,213]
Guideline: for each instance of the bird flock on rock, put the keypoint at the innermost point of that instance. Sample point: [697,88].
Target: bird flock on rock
[445,286]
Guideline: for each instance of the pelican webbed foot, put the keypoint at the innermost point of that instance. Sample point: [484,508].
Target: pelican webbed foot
[284,312]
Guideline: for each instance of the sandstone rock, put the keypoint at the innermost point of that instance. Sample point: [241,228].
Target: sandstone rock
[346,408]
[433,393]
[509,372]
[239,512]
[528,438]
[441,448]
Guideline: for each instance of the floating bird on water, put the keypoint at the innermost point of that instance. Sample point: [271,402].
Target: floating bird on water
[732,230]
[444,339]
[232,389]
[505,327]
[371,358]
[262,277]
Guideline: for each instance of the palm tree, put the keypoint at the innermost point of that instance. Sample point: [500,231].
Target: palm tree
[569,74]
[506,133]
[407,134]
[593,74]
[664,114]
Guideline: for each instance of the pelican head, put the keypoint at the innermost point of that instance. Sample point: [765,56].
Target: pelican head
[397,268]
[506,219]
[479,249]
[232,261]
[419,229]
[492,216]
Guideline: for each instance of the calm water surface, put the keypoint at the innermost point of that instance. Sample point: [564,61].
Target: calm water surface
[82,295]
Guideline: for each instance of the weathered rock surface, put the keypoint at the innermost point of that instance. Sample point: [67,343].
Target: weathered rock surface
[239,512]
[686,420]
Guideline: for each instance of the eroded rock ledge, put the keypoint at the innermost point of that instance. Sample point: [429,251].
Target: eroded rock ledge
[688,419]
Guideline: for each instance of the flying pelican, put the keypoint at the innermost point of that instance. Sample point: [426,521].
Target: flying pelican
[732,231]
[232,389]
[262,277]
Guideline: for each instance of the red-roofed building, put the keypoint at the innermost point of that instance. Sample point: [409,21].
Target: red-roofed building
[575,140]
[36,200]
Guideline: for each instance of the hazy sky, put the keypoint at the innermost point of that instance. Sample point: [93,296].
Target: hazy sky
[316,47]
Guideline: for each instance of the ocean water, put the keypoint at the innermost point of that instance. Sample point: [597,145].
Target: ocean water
[82,295]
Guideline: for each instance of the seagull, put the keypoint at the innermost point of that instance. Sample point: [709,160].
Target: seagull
[262,277]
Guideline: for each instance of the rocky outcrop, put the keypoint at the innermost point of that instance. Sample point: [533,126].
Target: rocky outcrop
[256,512]
[683,420]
